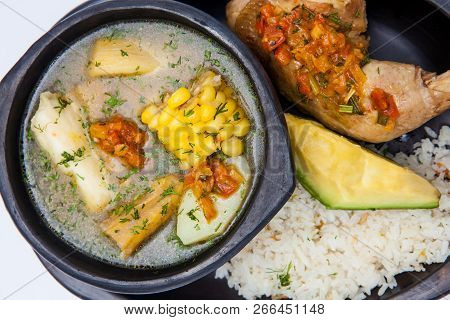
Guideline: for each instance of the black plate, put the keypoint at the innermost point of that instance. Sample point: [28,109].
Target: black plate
[416,32]
[272,185]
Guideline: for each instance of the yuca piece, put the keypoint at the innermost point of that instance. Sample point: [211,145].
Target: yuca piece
[119,57]
[57,127]
[129,229]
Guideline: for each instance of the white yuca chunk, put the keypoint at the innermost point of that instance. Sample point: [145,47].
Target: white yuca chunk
[192,226]
[119,57]
[58,130]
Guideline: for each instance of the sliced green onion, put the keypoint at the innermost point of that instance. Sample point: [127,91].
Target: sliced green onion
[349,94]
[343,108]
[314,85]
[354,102]
[382,119]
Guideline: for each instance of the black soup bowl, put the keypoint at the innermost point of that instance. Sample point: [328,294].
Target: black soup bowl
[273,176]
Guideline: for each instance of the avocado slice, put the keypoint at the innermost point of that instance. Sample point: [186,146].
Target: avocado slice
[344,175]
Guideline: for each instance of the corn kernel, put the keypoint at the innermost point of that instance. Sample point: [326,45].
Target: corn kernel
[191,115]
[181,154]
[166,116]
[153,124]
[196,140]
[193,102]
[216,124]
[208,94]
[174,123]
[149,113]
[207,112]
[198,127]
[220,98]
[229,92]
[232,147]
[241,128]
[229,107]
[226,132]
[205,146]
[163,134]
[179,138]
[178,98]
[207,78]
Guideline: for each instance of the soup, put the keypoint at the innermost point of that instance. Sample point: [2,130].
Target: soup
[139,143]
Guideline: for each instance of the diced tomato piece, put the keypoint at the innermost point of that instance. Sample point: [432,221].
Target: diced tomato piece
[379,99]
[283,54]
[208,208]
[267,11]
[121,138]
[260,26]
[320,18]
[273,38]
[384,102]
[224,184]
[303,84]
[392,110]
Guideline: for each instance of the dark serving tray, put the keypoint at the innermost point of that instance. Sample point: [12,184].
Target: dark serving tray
[415,33]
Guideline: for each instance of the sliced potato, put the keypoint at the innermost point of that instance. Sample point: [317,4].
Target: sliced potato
[119,57]
[58,129]
[130,229]
[192,226]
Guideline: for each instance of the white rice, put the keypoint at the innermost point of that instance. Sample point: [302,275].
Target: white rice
[338,254]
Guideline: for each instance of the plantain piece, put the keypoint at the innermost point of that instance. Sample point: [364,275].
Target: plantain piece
[137,223]
[418,95]
[58,128]
[343,175]
[119,57]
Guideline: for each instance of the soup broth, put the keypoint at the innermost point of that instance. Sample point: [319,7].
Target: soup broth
[180,55]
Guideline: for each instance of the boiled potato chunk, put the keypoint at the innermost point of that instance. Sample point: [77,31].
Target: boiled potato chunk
[59,131]
[192,226]
[344,175]
[119,57]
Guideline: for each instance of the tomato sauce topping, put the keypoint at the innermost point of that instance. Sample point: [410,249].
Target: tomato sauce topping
[385,104]
[328,62]
[212,177]
[121,138]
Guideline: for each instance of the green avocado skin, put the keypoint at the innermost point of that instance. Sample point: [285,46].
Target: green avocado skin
[328,203]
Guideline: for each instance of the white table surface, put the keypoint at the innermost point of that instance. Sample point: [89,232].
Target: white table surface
[22,275]
[22,22]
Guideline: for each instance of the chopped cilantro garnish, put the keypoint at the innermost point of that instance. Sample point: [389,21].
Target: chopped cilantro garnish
[221,108]
[129,174]
[112,102]
[75,157]
[173,65]
[164,209]
[168,192]
[189,113]
[62,104]
[191,215]
[171,44]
